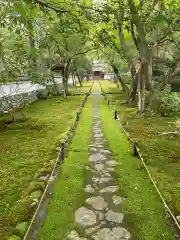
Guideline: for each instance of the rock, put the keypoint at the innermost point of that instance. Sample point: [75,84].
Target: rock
[98,135]
[97,203]
[73,235]
[96,157]
[87,168]
[36,194]
[117,200]
[95,180]
[112,163]
[85,217]
[117,233]
[178,218]
[110,189]
[105,179]
[110,170]
[114,216]
[89,188]
[44,179]
[22,227]
[99,167]
[105,151]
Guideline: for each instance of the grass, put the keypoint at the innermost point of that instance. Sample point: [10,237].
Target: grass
[27,147]
[69,191]
[144,213]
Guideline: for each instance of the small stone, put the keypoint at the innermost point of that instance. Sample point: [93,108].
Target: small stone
[87,168]
[114,216]
[105,179]
[117,200]
[97,203]
[109,189]
[178,218]
[85,217]
[95,180]
[73,235]
[99,167]
[110,169]
[112,163]
[89,188]
[95,157]
[105,151]
[105,174]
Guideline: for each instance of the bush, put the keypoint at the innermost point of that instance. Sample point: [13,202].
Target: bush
[169,102]
[42,94]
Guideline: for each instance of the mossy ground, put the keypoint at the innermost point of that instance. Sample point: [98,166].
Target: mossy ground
[144,212]
[27,147]
[68,193]
[161,153]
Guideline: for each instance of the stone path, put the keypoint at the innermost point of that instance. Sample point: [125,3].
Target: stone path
[101,217]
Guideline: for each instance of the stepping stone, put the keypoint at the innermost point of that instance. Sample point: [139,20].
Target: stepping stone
[117,233]
[99,167]
[117,200]
[114,217]
[97,203]
[105,151]
[75,236]
[95,157]
[110,189]
[89,189]
[85,217]
[105,174]
[109,169]
[105,179]
[112,163]
[98,135]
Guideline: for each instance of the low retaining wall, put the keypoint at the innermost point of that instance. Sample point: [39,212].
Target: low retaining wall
[10,102]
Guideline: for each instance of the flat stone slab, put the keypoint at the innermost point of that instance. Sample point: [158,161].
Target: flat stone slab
[117,233]
[114,234]
[97,203]
[99,167]
[90,231]
[110,189]
[89,189]
[117,200]
[95,157]
[112,163]
[85,217]
[114,217]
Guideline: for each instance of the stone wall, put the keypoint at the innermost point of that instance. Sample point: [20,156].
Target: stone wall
[10,102]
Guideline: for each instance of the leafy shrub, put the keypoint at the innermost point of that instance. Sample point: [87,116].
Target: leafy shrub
[42,94]
[169,102]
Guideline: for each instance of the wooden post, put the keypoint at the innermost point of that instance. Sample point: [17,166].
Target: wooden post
[115,115]
[135,151]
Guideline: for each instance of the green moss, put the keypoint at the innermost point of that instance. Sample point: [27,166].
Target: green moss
[38,185]
[69,190]
[14,237]
[36,195]
[21,228]
[27,146]
[161,153]
[21,211]
[144,212]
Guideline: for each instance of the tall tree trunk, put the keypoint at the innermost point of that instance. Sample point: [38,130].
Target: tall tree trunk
[141,86]
[122,83]
[79,79]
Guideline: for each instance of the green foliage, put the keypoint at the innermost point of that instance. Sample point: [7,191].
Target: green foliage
[169,101]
